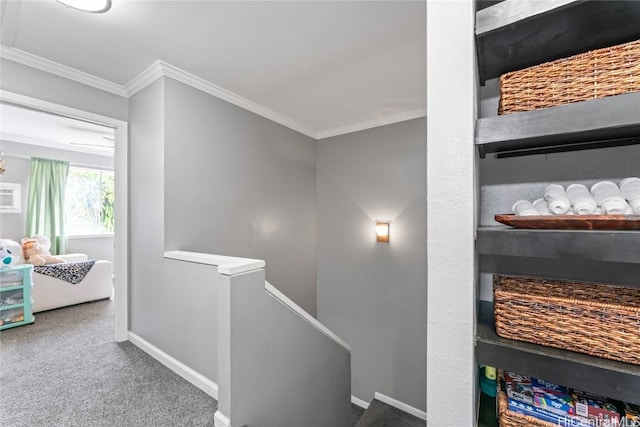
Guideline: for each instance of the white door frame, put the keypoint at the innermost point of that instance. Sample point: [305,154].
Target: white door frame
[121,142]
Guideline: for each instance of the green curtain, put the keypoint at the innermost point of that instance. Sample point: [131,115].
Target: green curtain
[45,204]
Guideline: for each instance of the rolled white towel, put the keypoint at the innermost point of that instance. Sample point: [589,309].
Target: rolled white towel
[598,211]
[609,197]
[628,210]
[541,206]
[581,199]
[557,199]
[524,208]
[630,189]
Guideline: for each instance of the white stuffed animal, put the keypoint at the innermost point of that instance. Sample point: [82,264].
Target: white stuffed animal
[10,253]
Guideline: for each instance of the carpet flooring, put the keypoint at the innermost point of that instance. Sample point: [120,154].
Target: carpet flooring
[379,414]
[67,370]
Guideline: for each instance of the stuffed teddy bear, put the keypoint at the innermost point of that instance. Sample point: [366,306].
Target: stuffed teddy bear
[7,259]
[36,250]
[10,253]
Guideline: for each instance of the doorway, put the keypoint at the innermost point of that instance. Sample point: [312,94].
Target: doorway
[120,136]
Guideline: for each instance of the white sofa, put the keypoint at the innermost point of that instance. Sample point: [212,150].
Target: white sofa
[49,293]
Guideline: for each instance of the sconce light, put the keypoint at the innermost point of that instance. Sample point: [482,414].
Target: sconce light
[382,231]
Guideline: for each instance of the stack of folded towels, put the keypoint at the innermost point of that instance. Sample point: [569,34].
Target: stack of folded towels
[604,198]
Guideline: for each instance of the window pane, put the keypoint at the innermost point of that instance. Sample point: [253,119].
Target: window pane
[108,188]
[83,202]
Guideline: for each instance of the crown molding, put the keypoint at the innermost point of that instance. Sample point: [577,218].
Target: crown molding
[356,127]
[144,79]
[161,68]
[187,78]
[58,69]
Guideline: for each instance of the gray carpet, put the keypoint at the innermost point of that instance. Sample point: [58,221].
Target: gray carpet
[356,414]
[66,370]
[379,414]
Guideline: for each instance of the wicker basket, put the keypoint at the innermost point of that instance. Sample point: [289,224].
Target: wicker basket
[507,418]
[600,320]
[595,74]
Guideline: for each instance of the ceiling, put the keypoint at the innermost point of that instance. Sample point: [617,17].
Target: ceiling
[18,124]
[325,65]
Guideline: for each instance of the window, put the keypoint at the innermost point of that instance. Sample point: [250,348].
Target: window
[9,197]
[89,201]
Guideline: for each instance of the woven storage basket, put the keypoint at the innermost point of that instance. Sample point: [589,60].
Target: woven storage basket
[595,74]
[600,320]
[508,418]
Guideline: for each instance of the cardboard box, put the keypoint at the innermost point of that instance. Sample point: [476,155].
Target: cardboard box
[596,407]
[519,387]
[632,413]
[552,397]
[531,410]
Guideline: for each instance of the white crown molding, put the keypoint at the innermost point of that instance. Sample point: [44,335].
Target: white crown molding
[144,79]
[161,68]
[176,73]
[400,405]
[58,69]
[356,127]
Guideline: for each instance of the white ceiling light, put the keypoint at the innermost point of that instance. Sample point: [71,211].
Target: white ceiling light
[93,6]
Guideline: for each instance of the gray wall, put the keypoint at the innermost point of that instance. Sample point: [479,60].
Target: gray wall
[372,294]
[172,304]
[22,79]
[13,225]
[282,371]
[238,184]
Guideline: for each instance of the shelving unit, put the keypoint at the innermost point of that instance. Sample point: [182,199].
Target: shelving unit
[610,378]
[512,35]
[515,34]
[15,296]
[598,123]
[609,246]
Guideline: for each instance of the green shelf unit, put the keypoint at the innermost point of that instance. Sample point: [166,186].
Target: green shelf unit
[10,288]
[22,311]
[10,307]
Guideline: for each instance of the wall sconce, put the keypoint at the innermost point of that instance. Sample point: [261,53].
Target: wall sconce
[382,231]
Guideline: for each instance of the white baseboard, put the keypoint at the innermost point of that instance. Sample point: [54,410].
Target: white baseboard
[400,405]
[220,420]
[176,366]
[359,402]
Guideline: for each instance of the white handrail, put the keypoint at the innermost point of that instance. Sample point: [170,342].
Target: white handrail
[227,265]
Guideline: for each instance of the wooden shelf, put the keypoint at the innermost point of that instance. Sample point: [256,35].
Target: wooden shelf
[605,122]
[595,245]
[515,34]
[609,378]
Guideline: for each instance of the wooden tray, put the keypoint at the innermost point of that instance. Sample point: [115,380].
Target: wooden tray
[572,222]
